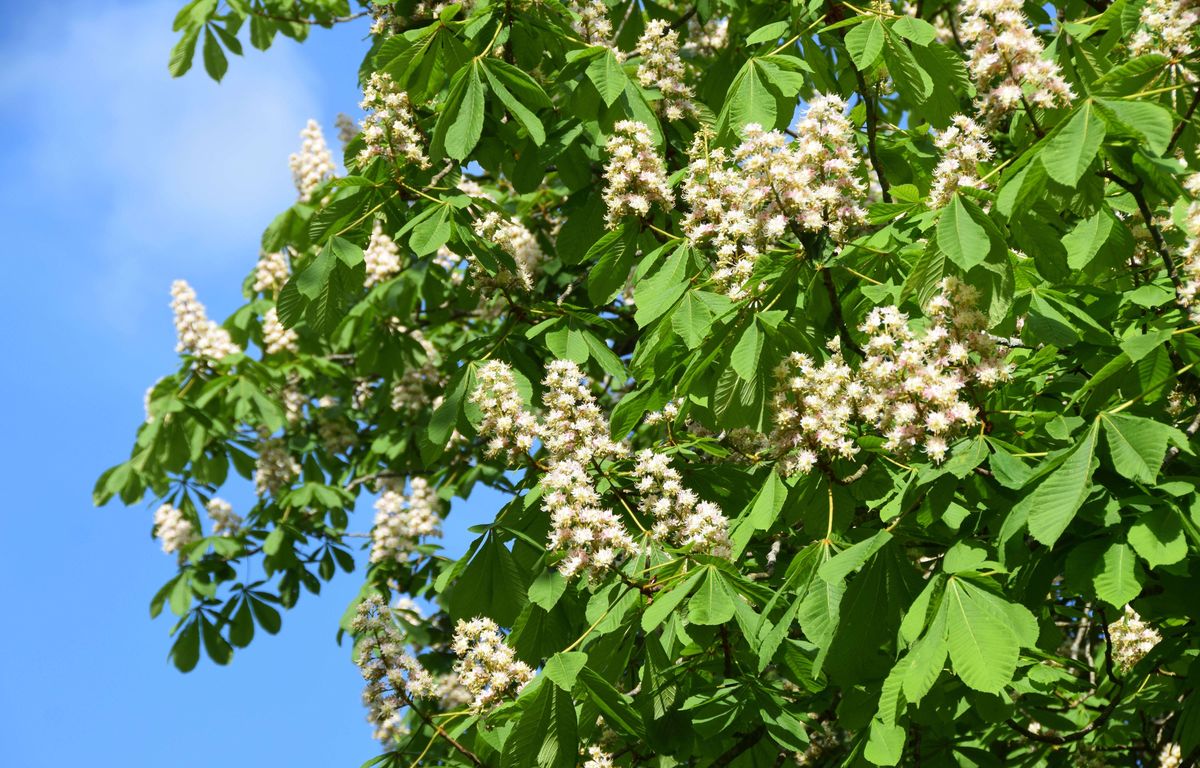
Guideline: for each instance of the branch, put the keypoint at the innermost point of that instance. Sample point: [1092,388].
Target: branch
[836,308]
[1187,118]
[872,119]
[747,741]
[1135,189]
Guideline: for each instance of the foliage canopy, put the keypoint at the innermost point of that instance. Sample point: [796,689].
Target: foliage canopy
[839,363]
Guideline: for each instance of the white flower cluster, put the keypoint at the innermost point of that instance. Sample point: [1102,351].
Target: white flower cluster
[575,434]
[226,522]
[517,241]
[747,200]
[198,336]
[1168,28]
[1130,638]
[510,427]
[635,176]
[590,537]
[1171,756]
[591,22]
[964,145]
[381,257]
[271,272]
[294,400]
[486,666]
[707,38]
[1189,262]
[346,127]
[401,521]
[906,389]
[173,529]
[313,164]
[389,129]
[393,676]
[662,68]
[573,426]
[598,758]
[275,468]
[1007,60]
[679,515]
[276,336]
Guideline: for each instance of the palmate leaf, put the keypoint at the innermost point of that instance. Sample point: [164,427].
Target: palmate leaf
[1137,445]
[1054,502]
[1074,146]
[546,735]
[982,639]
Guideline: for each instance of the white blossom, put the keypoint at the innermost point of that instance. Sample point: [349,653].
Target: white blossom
[510,427]
[680,517]
[1130,638]
[275,468]
[346,127]
[964,145]
[573,426]
[635,177]
[662,68]
[1168,28]
[276,336]
[389,129]
[393,676]
[226,522]
[198,336]
[271,272]
[173,529]
[745,201]
[487,666]
[708,38]
[401,521]
[1188,292]
[1007,60]
[590,538]
[1171,756]
[909,388]
[591,22]
[381,257]
[598,758]
[510,235]
[313,164]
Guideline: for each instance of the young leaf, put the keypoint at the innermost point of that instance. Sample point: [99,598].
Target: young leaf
[1072,148]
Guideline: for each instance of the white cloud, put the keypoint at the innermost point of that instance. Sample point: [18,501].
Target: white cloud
[168,176]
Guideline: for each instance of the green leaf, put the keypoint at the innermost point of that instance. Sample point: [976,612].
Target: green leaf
[1137,445]
[546,734]
[865,43]
[1158,537]
[658,293]
[961,233]
[1119,577]
[215,62]
[667,601]
[983,646]
[608,76]
[185,652]
[214,645]
[748,100]
[768,33]
[1053,504]
[692,319]
[491,585]
[546,589]
[927,659]
[713,602]
[183,53]
[913,82]
[747,352]
[562,668]
[1073,147]
[915,30]
[614,254]
[518,110]
[463,134]
[616,707]
[432,232]
[1149,122]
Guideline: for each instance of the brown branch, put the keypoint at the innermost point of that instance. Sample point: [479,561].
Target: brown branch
[836,308]
[872,120]
[1187,118]
[1135,189]
[746,742]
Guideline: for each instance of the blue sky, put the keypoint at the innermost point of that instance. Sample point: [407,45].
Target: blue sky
[117,180]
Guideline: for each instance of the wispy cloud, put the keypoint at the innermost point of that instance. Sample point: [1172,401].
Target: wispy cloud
[161,176]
